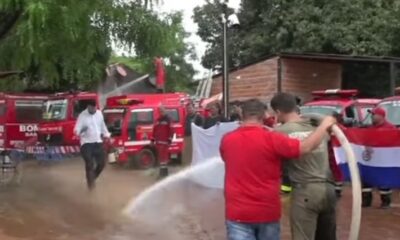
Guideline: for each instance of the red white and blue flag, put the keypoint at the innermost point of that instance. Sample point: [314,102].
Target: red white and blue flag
[378,154]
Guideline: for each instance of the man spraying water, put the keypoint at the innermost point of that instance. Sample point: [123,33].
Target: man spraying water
[253,156]
[91,129]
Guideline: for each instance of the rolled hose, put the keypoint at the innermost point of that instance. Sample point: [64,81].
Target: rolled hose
[354,174]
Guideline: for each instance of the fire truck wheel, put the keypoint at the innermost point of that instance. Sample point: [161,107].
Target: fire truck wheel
[145,159]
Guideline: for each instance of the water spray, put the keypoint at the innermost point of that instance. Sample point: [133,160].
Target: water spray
[213,169]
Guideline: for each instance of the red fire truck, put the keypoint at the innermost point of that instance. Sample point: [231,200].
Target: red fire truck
[392,107]
[19,118]
[130,120]
[59,117]
[354,111]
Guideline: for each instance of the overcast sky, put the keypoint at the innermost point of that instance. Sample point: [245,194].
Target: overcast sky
[187,7]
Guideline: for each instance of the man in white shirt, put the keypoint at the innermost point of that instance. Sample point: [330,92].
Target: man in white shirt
[91,129]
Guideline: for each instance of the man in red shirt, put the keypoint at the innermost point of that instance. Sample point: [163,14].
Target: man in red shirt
[378,122]
[252,156]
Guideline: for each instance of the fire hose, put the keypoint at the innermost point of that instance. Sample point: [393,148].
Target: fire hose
[355,178]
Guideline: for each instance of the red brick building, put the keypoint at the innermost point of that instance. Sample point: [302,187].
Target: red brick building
[299,74]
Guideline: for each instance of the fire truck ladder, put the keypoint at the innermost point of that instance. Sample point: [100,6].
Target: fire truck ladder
[204,88]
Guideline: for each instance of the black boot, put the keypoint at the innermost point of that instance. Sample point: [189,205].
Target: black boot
[163,172]
[366,199]
[338,193]
[386,200]
[338,189]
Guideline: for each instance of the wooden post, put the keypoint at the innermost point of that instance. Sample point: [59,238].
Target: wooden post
[279,73]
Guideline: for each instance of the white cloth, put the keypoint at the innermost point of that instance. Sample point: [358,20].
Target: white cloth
[208,167]
[95,124]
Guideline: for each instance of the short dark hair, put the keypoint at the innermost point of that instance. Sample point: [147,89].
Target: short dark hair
[91,103]
[253,108]
[284,102]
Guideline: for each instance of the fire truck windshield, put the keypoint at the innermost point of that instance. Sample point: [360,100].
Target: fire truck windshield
[392,109]
[321,109]
[28,111]
[55,109]
[173,114]
[113,119]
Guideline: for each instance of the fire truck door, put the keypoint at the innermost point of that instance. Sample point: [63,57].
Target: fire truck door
[140,124]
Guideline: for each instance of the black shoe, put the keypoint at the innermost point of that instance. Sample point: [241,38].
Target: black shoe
[366,199]
[338,193]
[386,200]
[163,172]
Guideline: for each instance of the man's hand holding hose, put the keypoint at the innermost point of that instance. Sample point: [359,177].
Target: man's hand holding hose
[315,138]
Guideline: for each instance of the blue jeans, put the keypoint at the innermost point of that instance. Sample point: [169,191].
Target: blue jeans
[250,231]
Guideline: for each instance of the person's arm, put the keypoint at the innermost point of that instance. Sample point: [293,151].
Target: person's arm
[171,131]
[78,126]
[316,137]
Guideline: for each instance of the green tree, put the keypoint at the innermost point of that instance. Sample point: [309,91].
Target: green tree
[357,27]
[61,42]
[177,53]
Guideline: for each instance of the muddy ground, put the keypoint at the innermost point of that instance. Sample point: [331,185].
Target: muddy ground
[52,203]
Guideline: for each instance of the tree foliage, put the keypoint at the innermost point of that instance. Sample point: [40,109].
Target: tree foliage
[177,55]
[357,27]
[60,42]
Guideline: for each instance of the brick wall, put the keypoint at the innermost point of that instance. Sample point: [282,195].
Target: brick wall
[301,77]
[255,81]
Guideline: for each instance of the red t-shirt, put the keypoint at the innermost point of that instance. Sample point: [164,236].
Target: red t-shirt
[252,156]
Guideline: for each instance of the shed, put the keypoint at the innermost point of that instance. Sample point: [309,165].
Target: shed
[297,73]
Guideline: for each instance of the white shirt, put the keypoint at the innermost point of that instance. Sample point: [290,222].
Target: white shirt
[96,127]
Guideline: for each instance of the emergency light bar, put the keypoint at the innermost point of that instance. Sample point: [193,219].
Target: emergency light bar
[129,101]
[336,92]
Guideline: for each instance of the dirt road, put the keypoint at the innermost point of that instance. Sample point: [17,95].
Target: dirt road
[52,203]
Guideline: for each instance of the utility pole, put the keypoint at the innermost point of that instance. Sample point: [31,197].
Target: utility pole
[225,76]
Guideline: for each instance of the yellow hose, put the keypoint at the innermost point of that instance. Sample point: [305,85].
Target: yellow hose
[355,178]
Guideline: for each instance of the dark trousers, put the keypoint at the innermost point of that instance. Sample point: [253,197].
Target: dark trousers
[94,157]
[313,212]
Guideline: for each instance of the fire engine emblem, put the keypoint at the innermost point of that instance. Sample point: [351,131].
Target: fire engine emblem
[367,154]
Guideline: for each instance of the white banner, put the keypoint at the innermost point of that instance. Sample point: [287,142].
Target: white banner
[206,144]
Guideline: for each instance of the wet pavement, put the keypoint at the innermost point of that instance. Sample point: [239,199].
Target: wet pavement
[52,203]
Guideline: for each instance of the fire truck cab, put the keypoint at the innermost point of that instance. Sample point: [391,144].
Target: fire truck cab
[392,108]
[354,111]
[130,120]
[20,115]
[58,121]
